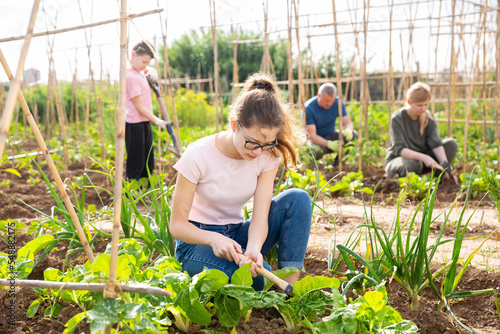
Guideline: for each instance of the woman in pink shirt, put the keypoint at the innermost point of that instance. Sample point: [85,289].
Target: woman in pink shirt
[219,174]
[139,114]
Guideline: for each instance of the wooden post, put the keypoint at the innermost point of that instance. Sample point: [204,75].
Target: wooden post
[470,91]
[497,79]
[171,90]
[364,100]
[50,163]
[264,64]
[434,87]
[485,134]
[452,68]
[236,79]
[390,86]
[339,87]
[216,63]
[300,99]
[77,111]
[99,113]
[61,115]
[290,54]
[111,286]
[15,87]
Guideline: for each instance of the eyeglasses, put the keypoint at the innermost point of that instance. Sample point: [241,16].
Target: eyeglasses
[253,145]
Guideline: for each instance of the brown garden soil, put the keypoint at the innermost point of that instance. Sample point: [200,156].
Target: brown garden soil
[479,312]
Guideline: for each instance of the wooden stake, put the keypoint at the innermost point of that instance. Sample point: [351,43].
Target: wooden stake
[290,54]
[390,86]
[132,288]
[497,78]
[216,63]
[15,87]
[300,99]
[236,79]
[111,288]
[485,134]
[50,163]
[434,88]
[452,67]
[339,87]
[364,82]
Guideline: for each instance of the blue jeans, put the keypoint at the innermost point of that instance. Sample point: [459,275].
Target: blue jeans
[289,224]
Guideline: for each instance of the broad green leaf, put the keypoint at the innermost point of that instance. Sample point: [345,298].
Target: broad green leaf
[198,314]
[32,247]
[101,264]
[107,312]
[228,310]
[132,310]
[73,322]
[211,280]
[402,327]
[375,300]
[52,311]
[308,283]
[51,274]
[33,308]
[242,276]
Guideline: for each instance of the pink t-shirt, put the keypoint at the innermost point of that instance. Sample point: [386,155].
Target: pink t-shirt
[137,84]
[223,185]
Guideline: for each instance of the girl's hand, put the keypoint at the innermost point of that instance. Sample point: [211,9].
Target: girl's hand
[225,248]
[431,163]
[254,257]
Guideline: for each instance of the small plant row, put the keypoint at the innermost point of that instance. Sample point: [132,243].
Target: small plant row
[405,252]
[198,299]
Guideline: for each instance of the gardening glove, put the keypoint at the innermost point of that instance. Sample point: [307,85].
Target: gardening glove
[333,145]
[347,133]
[152,74]
[161,123]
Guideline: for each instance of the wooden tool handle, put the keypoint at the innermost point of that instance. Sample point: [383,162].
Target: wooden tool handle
[287,287]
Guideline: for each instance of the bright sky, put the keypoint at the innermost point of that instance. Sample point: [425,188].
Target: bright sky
[184,15]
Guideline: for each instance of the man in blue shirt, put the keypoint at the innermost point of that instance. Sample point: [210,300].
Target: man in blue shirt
[322,112]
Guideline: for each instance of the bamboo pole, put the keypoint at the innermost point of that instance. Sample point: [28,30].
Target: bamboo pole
[171,88]
[99,114]
[470,90]
[452,67]
[50,164]
[111,288]
[291,99]
[485,134]
[132,288]
[434,88]
[497,78]
[77,111]
[366,14]
[83,26]
[339,87]
[98,102]
[234,89]
[216,64]
[61,115]
[300,99]
[86,117]
[264,64]
[46,120]
[390,86]
[198,78]
[15,87]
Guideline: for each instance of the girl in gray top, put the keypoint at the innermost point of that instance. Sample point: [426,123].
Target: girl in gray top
[415,143]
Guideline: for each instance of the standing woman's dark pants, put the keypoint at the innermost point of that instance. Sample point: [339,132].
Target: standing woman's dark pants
[140,155]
